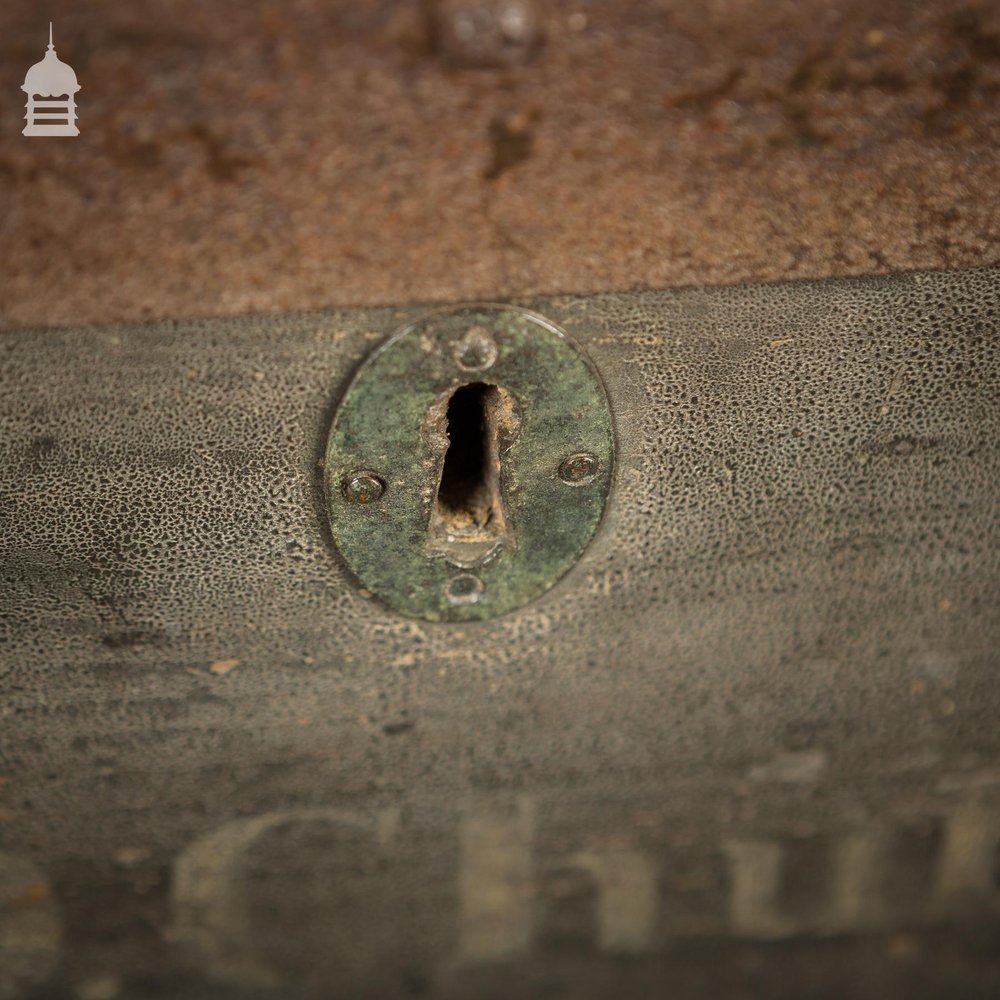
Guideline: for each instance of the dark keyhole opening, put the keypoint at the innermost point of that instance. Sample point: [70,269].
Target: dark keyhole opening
[468,523]
[468,488]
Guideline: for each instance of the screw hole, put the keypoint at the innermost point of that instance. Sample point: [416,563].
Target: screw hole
[464,589]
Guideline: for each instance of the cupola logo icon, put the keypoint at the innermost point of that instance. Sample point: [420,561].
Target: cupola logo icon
[51,78]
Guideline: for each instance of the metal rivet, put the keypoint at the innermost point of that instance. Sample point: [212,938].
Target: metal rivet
[578,469]
[464,589]
[363,487]
[476,351]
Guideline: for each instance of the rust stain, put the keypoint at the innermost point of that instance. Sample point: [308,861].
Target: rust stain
[31,894]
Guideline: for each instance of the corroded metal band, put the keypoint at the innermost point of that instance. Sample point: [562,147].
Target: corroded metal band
[386,424]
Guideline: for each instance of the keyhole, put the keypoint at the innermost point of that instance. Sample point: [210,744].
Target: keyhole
[468,492]
[469,520]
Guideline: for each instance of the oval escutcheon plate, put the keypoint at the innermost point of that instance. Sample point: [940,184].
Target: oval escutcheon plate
[469,463]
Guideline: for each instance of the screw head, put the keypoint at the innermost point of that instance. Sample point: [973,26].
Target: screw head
[463,589]
[579,469]
[476,351]
[362,487]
